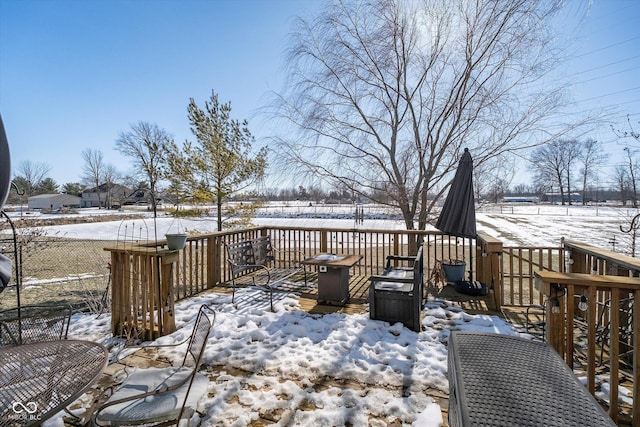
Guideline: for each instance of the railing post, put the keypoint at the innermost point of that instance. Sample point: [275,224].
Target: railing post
[488,257]
[166,301]
[614,353]
[214,269]
[554,311]
[120,273]
[555,319]
[578,263]
[324,247]
[396,244]
[143,299]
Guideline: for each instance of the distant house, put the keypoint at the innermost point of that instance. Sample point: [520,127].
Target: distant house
[139,196]
[53,201]
[104,196]
[521,199]
[558,198]
[142,196]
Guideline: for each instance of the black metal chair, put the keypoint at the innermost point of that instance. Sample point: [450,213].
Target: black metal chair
[535,318]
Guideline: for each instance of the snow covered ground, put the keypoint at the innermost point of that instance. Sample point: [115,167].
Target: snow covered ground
[545,225]
[289,352]
[273,362]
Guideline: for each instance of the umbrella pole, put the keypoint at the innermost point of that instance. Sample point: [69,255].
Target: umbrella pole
[470,262]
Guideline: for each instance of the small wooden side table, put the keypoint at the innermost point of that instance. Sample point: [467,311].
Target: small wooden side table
[333,276]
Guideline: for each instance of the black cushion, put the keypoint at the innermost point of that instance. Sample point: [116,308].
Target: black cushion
[471,287]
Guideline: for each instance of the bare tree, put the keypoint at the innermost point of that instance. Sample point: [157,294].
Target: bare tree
[549,166]
[386,94]
[33,175]
[492,178]
[146,144]
[630,133]
[632,166]
[622,181]
[92,170]
[570,153]
[630,151]
[109,176]
[591,157]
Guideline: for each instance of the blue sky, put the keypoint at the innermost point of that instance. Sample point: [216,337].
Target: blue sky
[74,74]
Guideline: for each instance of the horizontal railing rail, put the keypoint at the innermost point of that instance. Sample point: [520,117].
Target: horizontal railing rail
[584,258]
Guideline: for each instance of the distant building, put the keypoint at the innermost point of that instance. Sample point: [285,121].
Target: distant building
[557,197]
[53,201]
[142,196]
[521,199]
[104,196]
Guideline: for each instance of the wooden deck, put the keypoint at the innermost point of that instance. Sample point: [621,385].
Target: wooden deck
[357,304]
[359,291]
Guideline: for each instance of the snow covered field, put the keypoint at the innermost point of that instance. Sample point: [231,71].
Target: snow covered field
[303,369]
[516,225]
[545,225]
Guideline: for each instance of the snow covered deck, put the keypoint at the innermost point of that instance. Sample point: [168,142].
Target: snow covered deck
[509,272]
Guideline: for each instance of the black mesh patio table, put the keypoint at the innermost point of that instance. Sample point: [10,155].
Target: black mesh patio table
[38,380]
[501,380]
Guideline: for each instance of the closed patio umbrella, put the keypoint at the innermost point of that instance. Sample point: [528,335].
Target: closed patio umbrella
[458,215]
[5,166]
[5,186]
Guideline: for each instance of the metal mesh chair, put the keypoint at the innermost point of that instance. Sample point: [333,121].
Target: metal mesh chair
[34,323]
[161,396]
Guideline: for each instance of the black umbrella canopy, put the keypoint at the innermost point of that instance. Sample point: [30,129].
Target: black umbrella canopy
[458,215]
[5,186]
[5,166]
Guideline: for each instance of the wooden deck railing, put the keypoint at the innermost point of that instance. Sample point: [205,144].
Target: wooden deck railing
[142,296]
[203,262]
[519,263]
[203,265]
[509,272]
[613,330]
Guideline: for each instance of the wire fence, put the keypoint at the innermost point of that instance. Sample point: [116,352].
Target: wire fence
[57,271]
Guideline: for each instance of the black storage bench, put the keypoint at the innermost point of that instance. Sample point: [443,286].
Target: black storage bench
[501,380]
[396,294]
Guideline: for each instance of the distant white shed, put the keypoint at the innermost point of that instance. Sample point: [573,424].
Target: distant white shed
[54,201]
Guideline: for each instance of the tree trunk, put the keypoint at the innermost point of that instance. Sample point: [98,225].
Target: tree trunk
[219,207]
[569,188]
